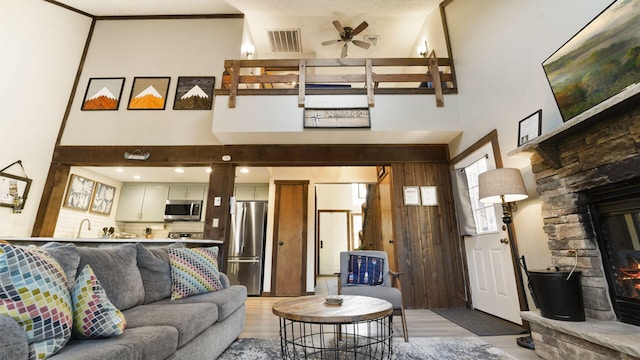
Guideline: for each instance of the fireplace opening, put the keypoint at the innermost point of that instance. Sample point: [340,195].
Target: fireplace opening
[615,212]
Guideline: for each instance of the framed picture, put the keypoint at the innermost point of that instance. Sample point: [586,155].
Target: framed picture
[102,199]
[597,64]
[337,118]
[13,190]
[429,195]
[103,94]
[411,195]
[79,192]
[149,93]
[529,127]
[194,93]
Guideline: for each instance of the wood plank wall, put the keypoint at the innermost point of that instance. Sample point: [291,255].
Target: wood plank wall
[427,240]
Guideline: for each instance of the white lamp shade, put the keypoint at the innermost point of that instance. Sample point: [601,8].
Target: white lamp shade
[494,184]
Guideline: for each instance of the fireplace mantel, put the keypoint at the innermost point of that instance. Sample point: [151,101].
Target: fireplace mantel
[546,145]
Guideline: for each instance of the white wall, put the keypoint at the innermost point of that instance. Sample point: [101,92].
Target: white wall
[314,175]
[41,46]
[150,48]
[498,47]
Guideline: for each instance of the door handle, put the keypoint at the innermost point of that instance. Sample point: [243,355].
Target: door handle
[321,244]
[504,241]
[390,241]
[281,243]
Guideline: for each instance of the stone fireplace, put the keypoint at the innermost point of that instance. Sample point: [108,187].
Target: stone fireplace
[571,168]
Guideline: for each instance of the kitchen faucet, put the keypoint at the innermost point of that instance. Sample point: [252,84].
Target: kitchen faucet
[80,227]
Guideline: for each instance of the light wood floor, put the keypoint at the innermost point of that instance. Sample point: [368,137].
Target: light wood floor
[262,323]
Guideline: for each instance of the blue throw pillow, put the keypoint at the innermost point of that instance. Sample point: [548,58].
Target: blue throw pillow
[365,270]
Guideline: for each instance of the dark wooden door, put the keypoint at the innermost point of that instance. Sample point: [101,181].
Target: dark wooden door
[289,271]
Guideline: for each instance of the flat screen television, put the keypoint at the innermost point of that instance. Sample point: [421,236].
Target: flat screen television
[599,62]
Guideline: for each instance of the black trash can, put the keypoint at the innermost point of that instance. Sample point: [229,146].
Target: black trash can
[558,295]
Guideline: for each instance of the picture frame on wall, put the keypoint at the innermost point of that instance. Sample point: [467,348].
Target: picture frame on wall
[194,93]
[411,195]
[529,127]
[79,193]
[102,199]
[149,93]
[12,187]
[103,94]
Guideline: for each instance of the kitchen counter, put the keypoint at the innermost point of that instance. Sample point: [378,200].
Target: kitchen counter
[113,241]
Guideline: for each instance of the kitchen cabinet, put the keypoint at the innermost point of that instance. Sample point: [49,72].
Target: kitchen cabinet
[142,202]
[251,192]
[186,192]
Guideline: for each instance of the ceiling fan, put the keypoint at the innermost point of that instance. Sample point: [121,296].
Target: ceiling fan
[346,35]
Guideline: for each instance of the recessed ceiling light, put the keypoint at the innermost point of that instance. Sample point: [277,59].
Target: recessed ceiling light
[137,177]
[208,170]
[244,170]
[179,170]
[120,170]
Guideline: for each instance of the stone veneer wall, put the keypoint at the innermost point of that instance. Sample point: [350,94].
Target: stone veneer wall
[607,152]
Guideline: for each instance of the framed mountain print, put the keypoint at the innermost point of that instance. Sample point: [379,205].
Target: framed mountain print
[149,93]
[194,93]
[103,94]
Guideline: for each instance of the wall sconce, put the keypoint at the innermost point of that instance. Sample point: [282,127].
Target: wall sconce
[248,49]
[422,49]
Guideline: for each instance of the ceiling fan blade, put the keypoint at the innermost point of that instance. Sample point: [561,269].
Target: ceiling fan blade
[338,26]
[360,27]
[362,44]
[330,42]
[343,54]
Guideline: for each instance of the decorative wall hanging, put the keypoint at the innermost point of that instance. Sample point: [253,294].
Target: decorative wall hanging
[103,94]
[149,93]
[102,200]
[14,189]
[529,127]
[597,63]
[337,118]
[194,93]
[136,155]
[79,191]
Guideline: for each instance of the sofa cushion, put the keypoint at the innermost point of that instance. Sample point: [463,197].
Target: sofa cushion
[67,256]
[194,271]
[118,273]
[365,270]
[227,300]
[34,293]
[153,342]
[155,271]
[189,319]
[94,316]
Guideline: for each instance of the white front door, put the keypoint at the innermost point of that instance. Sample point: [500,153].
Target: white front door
[334,235]
[491,276]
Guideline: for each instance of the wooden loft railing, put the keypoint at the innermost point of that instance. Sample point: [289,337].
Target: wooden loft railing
[303,77]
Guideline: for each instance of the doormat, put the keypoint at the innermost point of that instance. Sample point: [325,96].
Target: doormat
[480,323]
[419,348]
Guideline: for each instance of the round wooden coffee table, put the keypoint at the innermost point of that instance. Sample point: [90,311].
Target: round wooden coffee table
[310,328]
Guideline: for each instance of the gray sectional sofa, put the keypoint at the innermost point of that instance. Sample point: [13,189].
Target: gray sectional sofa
[137,280]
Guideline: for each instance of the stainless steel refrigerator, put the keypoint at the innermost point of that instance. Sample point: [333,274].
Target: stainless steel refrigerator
[246,249]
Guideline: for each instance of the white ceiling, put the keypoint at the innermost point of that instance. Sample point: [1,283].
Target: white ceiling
[395,22]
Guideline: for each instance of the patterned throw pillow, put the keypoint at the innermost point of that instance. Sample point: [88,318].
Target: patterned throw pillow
[365,270]
[193,271]
[34,293]
[94,316]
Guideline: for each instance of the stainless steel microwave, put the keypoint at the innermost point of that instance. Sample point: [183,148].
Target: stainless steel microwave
[183,210]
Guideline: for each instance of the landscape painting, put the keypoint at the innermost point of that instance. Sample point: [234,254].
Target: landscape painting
[601,61]
[194,93]
[149,93]
[103,94]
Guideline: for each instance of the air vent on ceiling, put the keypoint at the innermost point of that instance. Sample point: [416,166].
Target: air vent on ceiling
[285,40]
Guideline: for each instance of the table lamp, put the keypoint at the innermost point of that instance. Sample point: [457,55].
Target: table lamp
[505,186]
